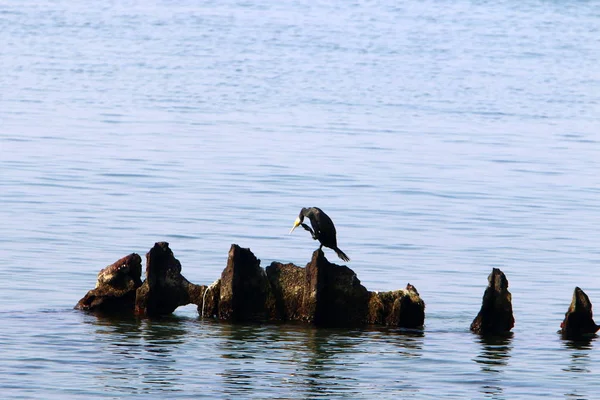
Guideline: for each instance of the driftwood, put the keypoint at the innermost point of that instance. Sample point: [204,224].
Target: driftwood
[322,293]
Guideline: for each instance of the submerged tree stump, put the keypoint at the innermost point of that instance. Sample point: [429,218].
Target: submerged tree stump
[333,295]
[115,287]
[402,308]
[579,321]
[165,288]
[245,292]
[322,293]
[495,316]
[287,283]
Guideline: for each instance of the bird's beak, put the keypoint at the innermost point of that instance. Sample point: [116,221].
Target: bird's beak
[296,223]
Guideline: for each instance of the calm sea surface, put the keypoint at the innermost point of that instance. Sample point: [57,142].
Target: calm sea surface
[444,138]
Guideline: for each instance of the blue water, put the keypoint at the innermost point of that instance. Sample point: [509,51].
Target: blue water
[443,138]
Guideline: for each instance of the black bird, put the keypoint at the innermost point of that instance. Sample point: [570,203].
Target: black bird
[324,230]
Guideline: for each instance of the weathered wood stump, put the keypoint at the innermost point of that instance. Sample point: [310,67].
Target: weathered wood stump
[333,295]
[165,288]
[323,293]
[245,292]
[287,283]
[579,321]
[495,316]
[402,308]
[115,287]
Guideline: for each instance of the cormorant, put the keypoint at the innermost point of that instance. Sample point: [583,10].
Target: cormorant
[324,230]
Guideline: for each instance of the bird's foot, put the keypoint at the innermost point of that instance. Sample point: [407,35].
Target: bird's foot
[312,233]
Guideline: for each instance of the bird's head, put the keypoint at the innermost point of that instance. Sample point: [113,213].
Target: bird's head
[297,222]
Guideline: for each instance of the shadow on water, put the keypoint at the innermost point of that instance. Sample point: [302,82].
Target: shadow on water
[493,357]
[137,354]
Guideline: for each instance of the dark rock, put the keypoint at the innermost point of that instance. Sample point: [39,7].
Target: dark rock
[495,316]
[401,308]
[245,291]
[115,288]
[165,288]
[578,320]
[333,295]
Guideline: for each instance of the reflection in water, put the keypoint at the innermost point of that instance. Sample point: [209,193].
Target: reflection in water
[323,372]
[240,346]
[580,353]
[338,361]
[494,356]
[409,342]
[303,361]
[580,362]
[294,357]
[160,339]
[136,353]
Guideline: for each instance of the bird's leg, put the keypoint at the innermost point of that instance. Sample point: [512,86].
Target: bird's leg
[312,233]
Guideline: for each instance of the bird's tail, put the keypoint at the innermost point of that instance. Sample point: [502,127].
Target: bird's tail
[341,254]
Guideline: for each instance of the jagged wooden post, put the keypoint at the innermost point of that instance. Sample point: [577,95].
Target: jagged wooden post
[496,316]
[245,292]
[579,321]
[333,295]
[165,288]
